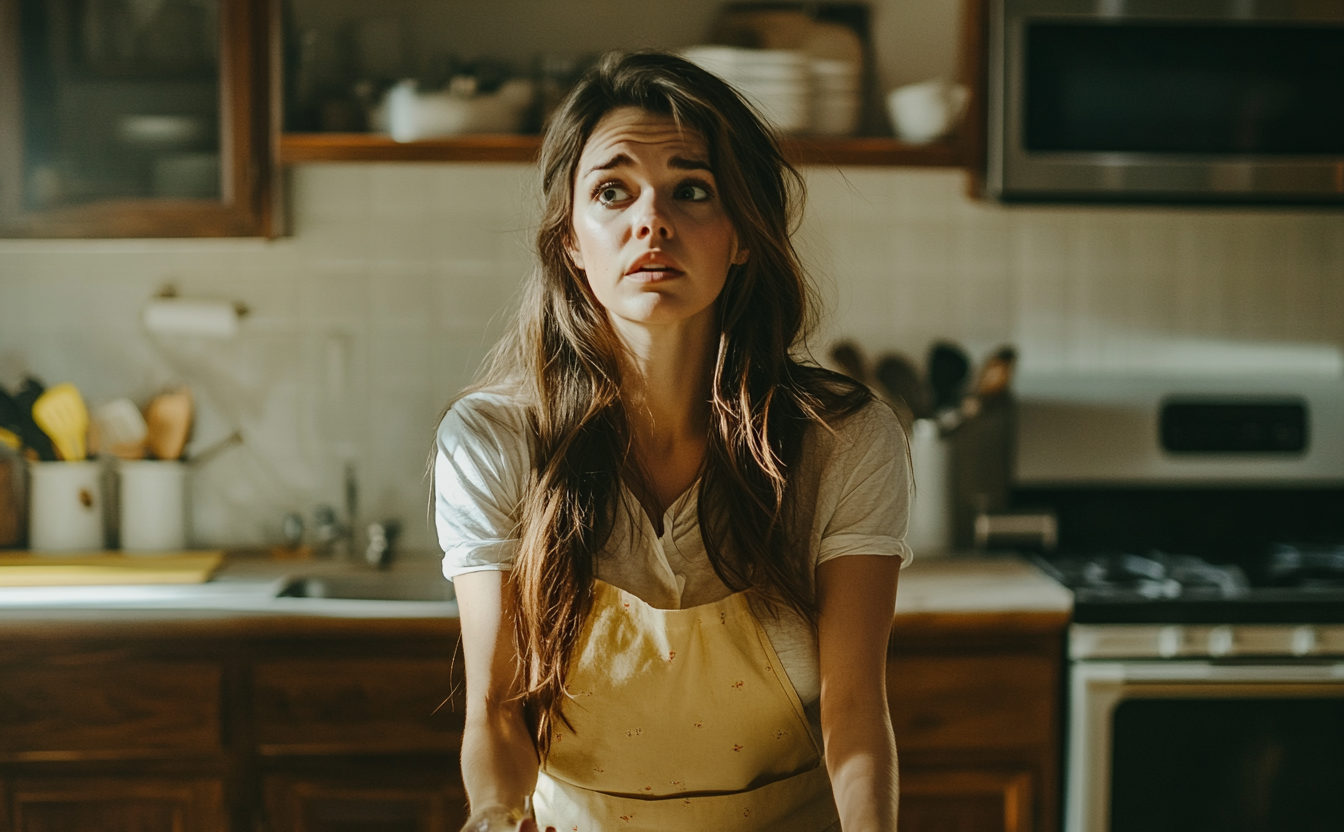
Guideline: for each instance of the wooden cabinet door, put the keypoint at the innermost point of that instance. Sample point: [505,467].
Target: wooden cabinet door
[123,121]
[297,804]
[348,706]
[966,801]
[108,706]
[116,804]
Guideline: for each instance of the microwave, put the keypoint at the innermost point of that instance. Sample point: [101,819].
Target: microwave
[1203,101]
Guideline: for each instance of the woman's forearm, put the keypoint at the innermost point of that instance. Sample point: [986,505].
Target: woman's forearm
[861,759]
[499,762]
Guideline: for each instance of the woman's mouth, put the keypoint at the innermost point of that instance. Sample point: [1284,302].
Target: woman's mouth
[651,268]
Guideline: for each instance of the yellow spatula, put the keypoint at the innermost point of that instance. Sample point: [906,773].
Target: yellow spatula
[61,414]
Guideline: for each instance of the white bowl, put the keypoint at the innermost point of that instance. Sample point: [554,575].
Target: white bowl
[161,132]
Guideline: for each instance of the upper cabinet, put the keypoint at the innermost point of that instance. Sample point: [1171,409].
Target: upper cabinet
[135,118]
[170,118]
[341,60]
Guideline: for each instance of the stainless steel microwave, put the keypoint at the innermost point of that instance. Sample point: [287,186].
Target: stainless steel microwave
[1213,101]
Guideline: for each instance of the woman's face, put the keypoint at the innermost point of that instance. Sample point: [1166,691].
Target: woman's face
[649,230]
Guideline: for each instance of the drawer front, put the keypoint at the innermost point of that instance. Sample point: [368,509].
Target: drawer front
[139,804]
[985,701]
[108,708]
[413,804]
[336,706]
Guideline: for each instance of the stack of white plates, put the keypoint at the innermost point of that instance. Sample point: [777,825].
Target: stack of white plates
[777,82]
[835,97]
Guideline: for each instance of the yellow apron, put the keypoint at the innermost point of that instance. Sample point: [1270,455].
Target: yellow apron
[682,720]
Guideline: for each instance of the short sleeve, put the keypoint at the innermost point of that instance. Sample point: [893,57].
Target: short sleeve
[480,472]
[868,477]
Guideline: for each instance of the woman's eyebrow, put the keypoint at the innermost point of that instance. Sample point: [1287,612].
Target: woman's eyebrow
[682,163]
[614,162]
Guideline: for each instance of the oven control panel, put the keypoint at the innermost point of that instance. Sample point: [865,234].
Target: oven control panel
[1225,641]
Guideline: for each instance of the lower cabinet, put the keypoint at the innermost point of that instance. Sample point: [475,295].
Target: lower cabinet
[958,800]
[357,726]
[115,804]
[976,708]
[298,804]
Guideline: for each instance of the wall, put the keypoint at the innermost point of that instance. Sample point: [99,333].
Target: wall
[398,277]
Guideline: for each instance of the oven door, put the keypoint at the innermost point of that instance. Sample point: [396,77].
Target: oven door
[1174,746]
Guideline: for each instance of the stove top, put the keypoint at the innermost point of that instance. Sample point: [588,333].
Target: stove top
[1290,584]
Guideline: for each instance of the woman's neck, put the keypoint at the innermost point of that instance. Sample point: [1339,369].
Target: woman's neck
[666,391]
[667,378]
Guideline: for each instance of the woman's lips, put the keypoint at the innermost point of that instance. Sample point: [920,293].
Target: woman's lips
[653,274]
[652,267]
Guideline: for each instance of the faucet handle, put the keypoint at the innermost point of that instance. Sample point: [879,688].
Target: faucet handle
[382,540]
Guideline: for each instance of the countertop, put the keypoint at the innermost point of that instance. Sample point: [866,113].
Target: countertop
[242,594]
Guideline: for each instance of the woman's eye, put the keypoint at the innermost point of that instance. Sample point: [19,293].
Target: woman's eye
[692,192]
[611,194]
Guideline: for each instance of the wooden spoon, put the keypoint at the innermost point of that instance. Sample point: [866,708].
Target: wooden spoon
[168,424]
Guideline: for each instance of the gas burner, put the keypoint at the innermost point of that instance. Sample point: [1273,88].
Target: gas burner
[1155,576]
[1306,566]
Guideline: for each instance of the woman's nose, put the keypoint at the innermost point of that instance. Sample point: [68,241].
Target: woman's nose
[651,220]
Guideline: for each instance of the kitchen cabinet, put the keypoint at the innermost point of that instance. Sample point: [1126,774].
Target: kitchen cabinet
[141,723]
[975,704]
[136,721]
[319,35]
[121,119]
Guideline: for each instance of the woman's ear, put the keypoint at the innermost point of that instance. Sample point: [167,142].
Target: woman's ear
[575,256]
[740,257]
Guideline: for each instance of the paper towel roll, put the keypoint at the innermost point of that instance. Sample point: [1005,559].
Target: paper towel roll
[188,316]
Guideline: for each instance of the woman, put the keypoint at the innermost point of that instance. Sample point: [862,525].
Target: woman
[675,546]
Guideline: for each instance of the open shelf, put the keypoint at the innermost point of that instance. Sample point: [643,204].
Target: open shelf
[296,148]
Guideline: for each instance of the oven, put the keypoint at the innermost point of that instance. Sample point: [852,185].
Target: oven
[1200,525]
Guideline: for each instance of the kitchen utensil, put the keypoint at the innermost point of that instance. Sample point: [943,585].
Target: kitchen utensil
[947,373]
[121,429]
[996,376]
[153,505]
[65,506]
[927,111]
[850,360]
[168,424]
[61,414]
[900,381]
[33,437]
[214,450]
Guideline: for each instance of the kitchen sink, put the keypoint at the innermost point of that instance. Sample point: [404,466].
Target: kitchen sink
[373,586]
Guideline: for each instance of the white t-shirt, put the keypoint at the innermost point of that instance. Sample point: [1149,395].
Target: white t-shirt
[855,477]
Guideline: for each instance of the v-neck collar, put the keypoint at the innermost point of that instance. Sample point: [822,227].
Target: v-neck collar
[673,509]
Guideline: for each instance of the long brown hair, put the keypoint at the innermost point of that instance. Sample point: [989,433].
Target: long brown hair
[562,362]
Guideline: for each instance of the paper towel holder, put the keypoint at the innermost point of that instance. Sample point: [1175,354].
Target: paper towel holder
[167,313]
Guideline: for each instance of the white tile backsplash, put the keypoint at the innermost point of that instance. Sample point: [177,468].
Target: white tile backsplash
[399,277]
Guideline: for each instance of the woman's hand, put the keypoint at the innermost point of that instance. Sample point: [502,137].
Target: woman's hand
[499,819]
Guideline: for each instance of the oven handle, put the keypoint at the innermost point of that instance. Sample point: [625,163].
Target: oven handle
[1158,671]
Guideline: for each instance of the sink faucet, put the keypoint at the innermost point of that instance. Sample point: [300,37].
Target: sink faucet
[336,537]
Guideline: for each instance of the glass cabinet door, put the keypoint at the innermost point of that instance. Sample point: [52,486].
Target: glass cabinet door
[133,118]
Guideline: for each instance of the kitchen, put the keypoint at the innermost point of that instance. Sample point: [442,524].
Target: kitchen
[396,277]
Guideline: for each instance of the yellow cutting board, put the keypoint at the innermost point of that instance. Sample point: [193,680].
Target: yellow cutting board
[101,568]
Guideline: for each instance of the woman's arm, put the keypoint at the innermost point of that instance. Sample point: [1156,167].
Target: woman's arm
[856,599]
[499,761]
